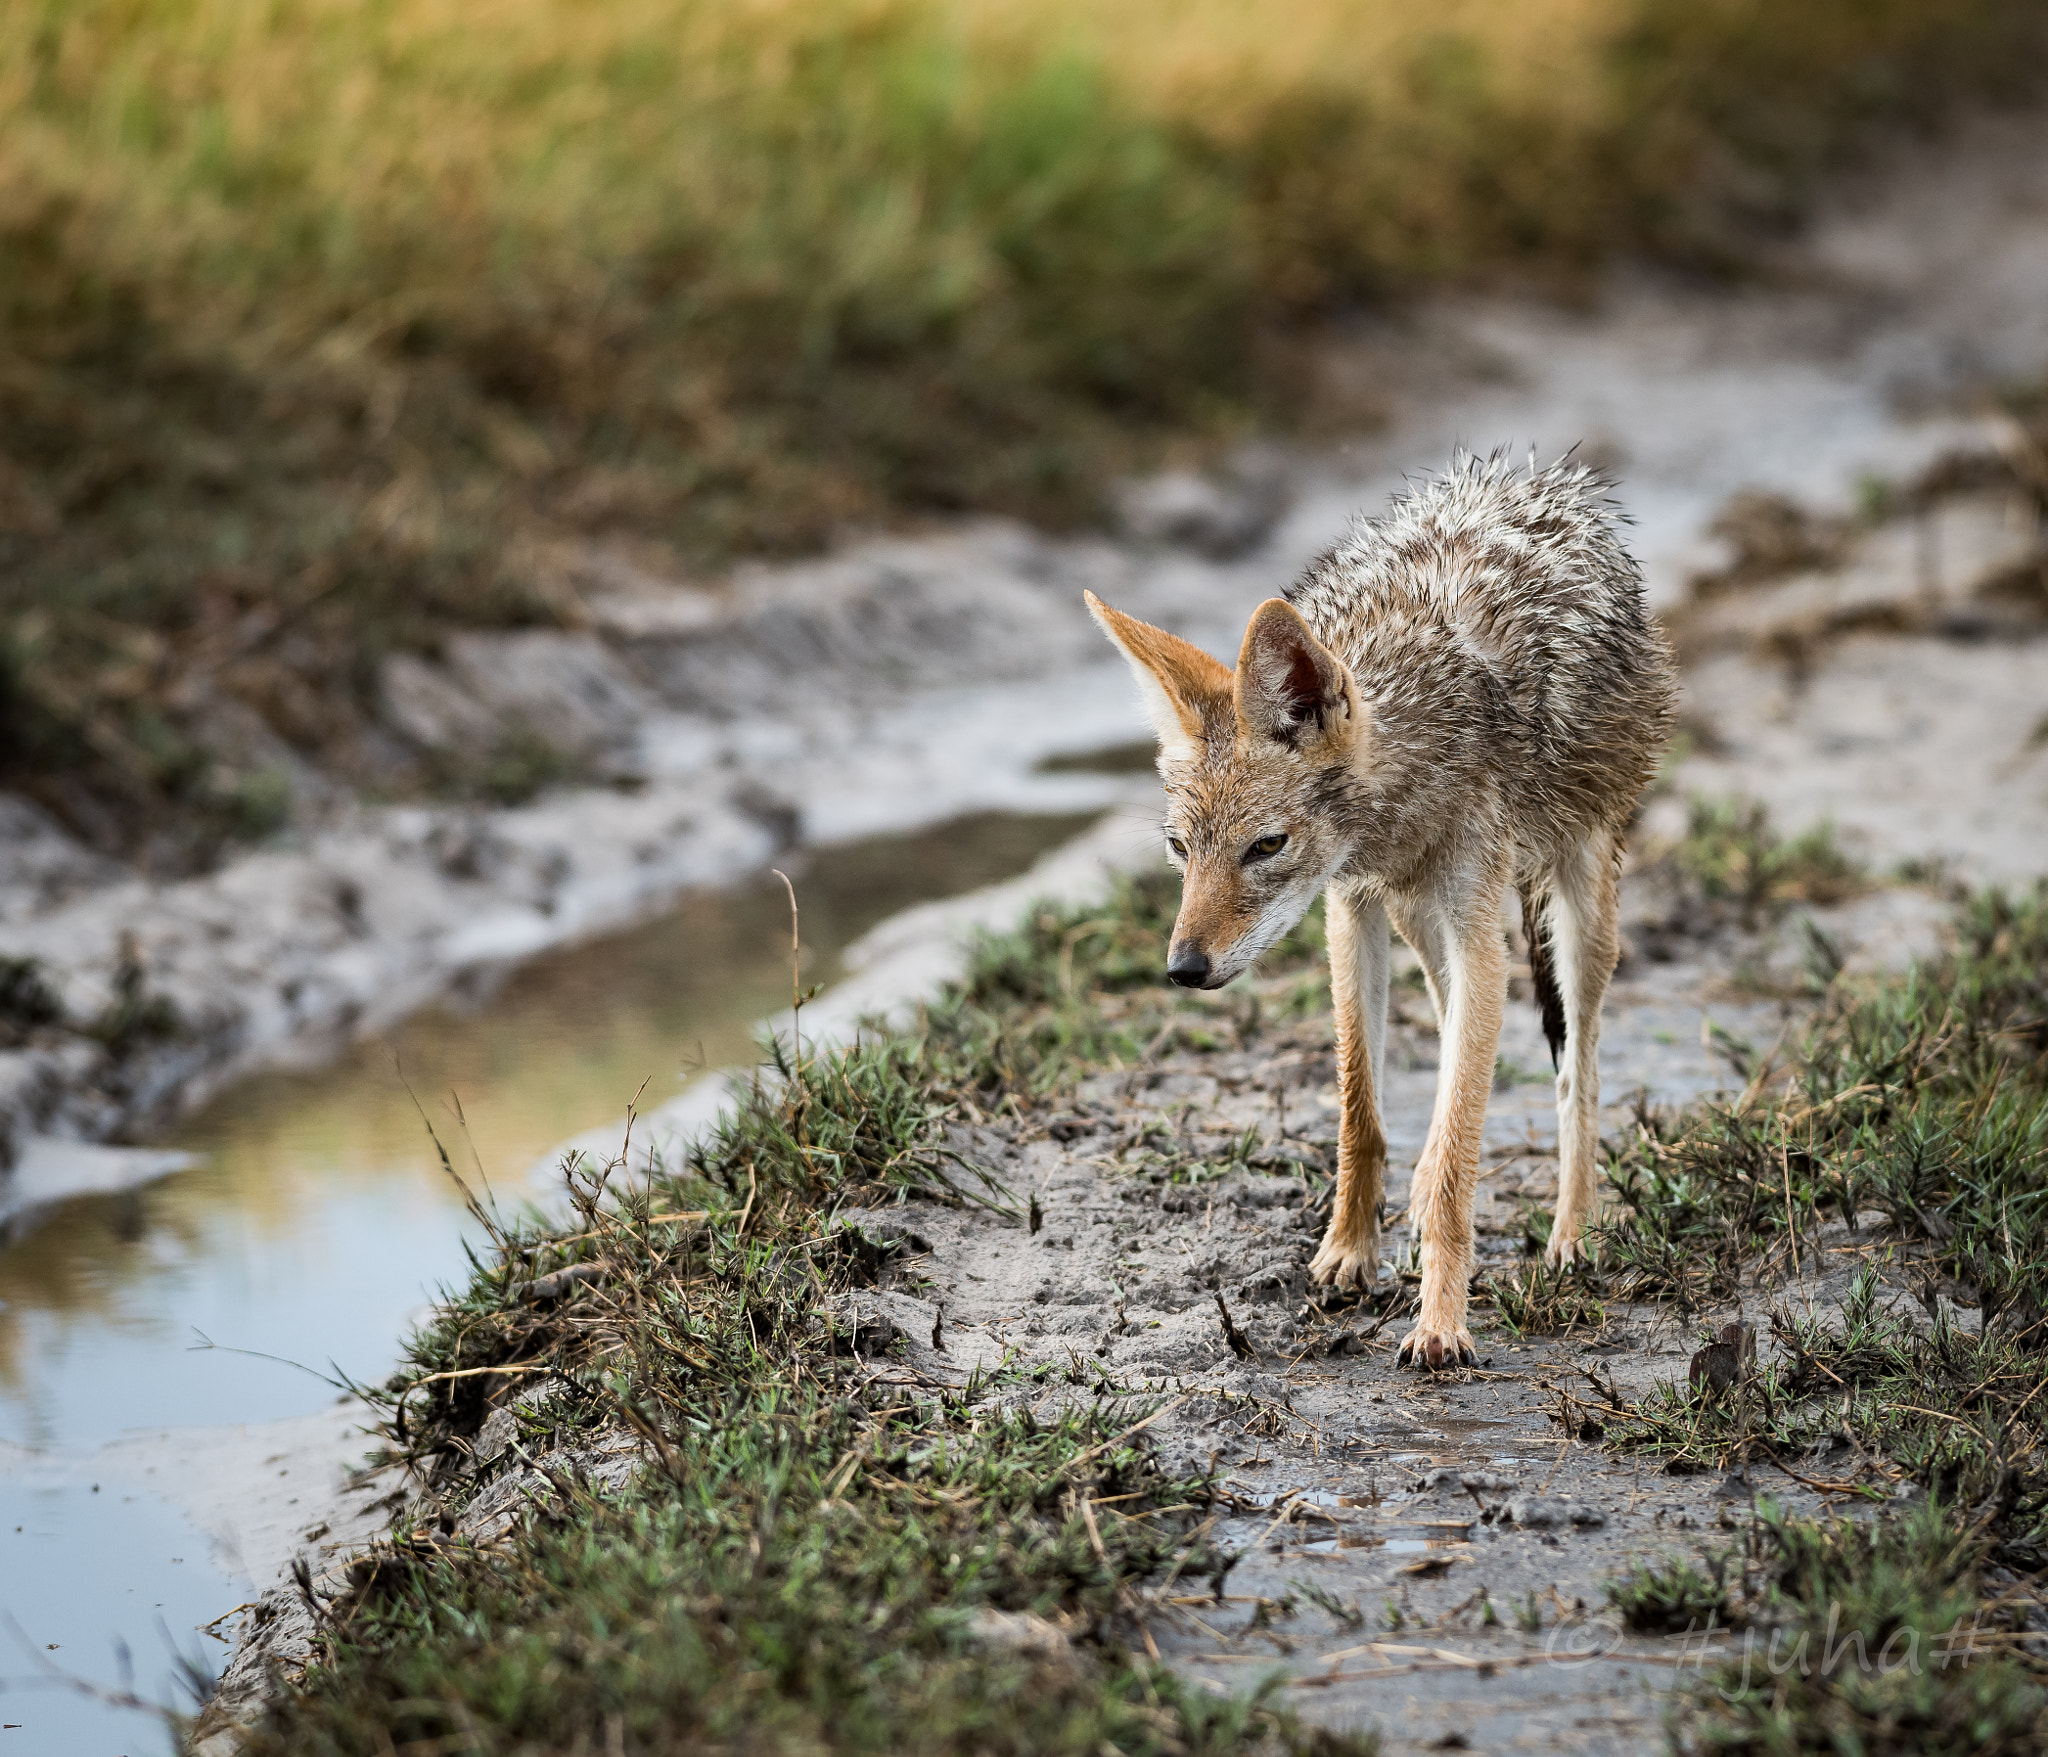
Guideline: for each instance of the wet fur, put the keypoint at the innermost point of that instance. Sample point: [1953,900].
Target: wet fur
[1464,697]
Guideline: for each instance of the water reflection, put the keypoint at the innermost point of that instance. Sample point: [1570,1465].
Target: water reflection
[319,1220]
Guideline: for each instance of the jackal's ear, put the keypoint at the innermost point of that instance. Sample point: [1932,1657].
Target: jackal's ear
[1187,693]
[1291,687]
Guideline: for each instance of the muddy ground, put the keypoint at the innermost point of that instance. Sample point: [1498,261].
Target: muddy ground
[1425,1554]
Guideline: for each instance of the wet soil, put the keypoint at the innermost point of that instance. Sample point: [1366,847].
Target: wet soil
[1423,1553]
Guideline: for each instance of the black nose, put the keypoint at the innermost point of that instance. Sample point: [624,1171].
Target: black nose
[1188,966]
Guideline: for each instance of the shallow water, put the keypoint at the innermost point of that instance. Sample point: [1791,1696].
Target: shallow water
[319,1221]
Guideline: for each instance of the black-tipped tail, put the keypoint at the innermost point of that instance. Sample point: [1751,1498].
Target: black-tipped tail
[1548,1001]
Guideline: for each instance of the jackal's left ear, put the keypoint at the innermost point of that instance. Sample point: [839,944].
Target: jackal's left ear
[1186,692]
[1291,687]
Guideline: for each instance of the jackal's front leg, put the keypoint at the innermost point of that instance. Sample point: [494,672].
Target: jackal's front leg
[1350,1255]
[1468,963]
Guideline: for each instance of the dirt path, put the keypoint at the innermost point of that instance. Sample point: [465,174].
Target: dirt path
[1424,1554]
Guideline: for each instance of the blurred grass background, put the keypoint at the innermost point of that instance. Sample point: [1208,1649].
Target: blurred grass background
[327,325]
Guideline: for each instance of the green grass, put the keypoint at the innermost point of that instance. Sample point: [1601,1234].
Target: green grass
[799,1559]
[1871,1639]
[326,329]
[1733,854]
[1922,1099]
[1673,1596]
[1537,1300]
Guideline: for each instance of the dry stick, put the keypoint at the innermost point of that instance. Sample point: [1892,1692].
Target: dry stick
[1938,1414]
[1240,1344]
[1187,1551]
[1443,1653]
[796,992]
[1825,1488]
[1286,1507]
[1514,1662]
[1763,1073]
[474,1372]
[1094,1530]
[651,1220]
[483,1177]
[1791,1234]
[632,1114]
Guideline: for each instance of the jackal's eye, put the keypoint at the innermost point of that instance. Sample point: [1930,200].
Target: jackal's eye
[1180,848]
[1265,848]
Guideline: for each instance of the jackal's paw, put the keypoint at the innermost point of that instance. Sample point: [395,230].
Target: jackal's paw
[1567,1248]
[1347,1262]
[1437,1345]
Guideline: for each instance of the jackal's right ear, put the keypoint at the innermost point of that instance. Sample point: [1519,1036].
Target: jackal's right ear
[1186,692]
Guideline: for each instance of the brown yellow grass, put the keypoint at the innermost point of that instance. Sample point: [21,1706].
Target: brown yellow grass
[327,324]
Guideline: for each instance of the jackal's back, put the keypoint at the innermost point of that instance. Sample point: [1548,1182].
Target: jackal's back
[1493,616]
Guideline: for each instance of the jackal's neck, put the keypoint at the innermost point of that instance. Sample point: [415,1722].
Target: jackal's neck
[1417,786]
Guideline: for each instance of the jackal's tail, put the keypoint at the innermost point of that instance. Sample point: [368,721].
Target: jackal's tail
[1542,975]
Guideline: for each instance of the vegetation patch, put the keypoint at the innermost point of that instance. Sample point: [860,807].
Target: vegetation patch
[28,1002]
[1870,1637]
[689,1491]
[327,330]
[1911,1133]
[1674,1596]
[1541,1300]
[1733,855]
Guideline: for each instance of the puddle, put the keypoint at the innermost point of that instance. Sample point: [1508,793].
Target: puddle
[318,1219]
[121,1612]
[1348,1522]
[318,1222]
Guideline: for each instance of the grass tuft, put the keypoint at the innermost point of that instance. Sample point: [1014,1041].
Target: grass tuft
[733,1513]
[1538,1300]
[1873,1638]
[28,1002]
[1673,1596]
[1732,853]
[1912,1131]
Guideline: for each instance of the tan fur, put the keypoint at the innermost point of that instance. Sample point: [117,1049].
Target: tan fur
[1463,697]
[1196,691]
[1357,931]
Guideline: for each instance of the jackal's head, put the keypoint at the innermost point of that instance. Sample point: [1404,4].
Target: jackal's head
[1256,763]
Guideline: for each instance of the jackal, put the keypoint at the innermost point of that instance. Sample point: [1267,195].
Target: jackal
[1464,695]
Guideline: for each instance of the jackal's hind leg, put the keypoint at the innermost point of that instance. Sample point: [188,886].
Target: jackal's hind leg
[1582,923]
[1350,1254]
